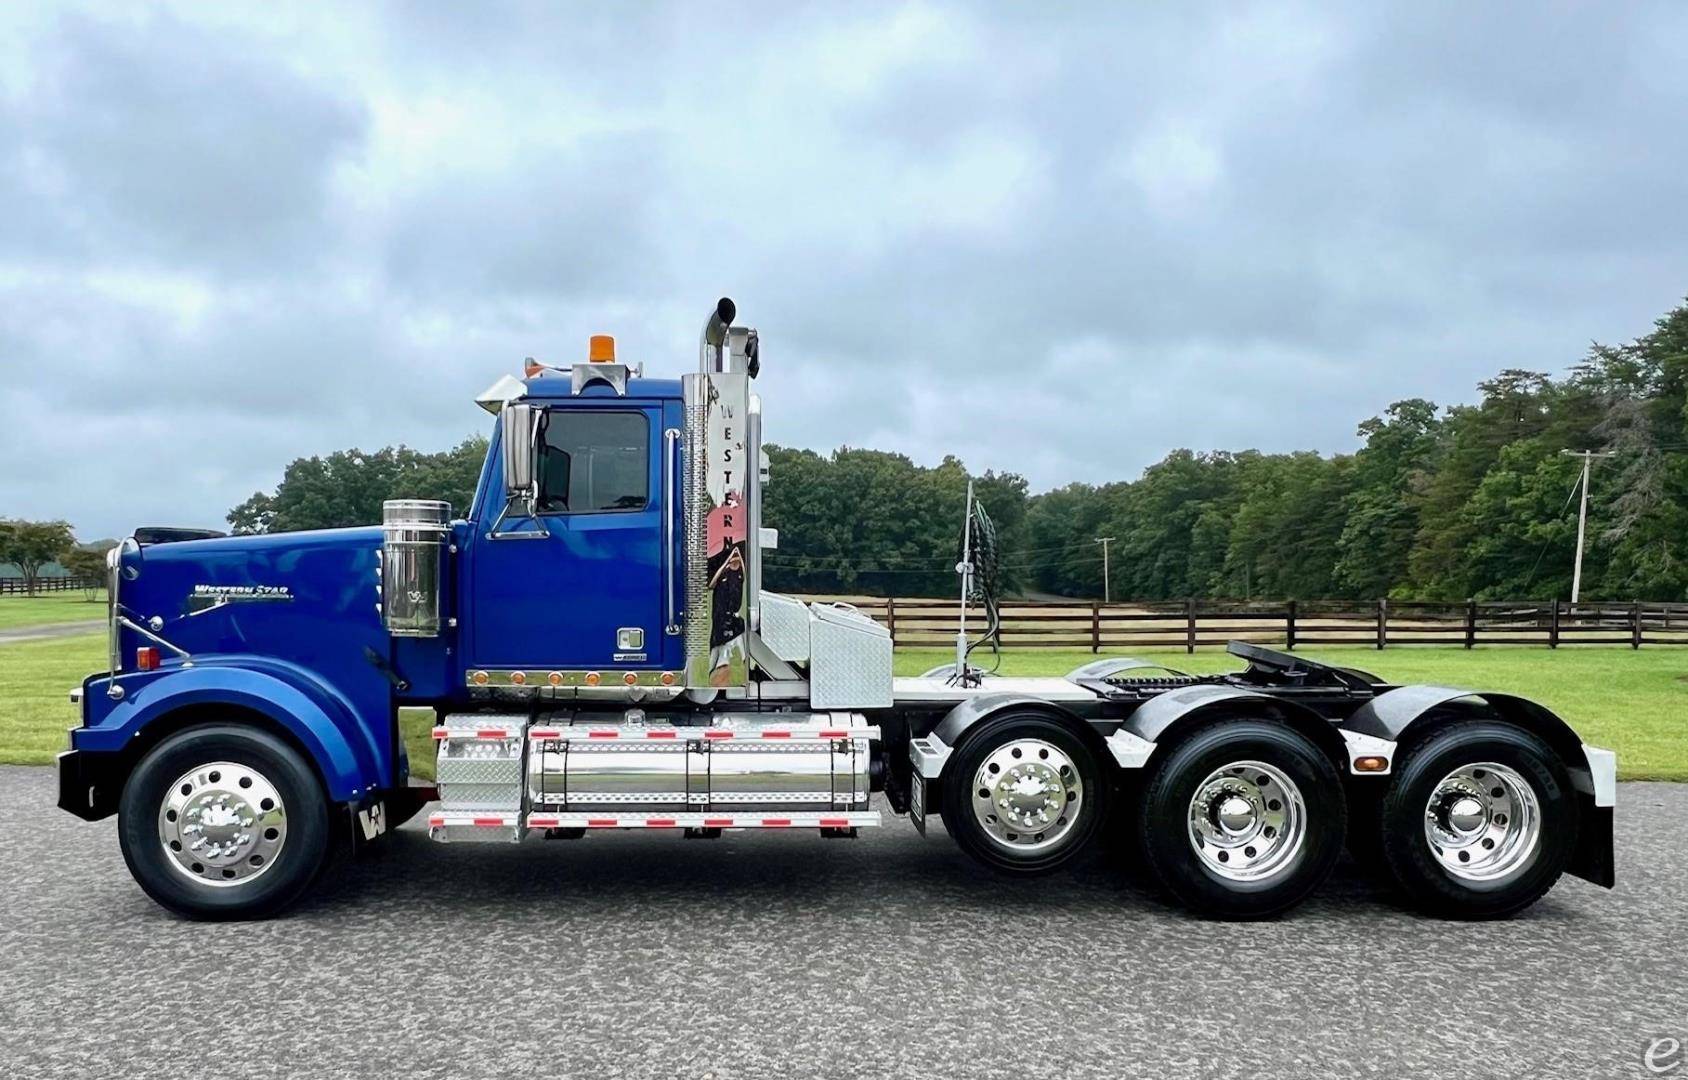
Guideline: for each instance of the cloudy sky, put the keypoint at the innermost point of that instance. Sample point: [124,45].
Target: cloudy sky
[1055,244]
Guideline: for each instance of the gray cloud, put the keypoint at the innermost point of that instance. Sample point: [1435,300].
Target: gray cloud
[1055,243]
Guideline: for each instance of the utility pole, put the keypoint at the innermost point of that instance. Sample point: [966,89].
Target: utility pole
[1588,457]
[1106,594]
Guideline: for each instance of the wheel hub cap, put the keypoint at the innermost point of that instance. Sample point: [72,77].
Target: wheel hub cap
[1027,794]
[1235,815]
[1483,822]
[222,823]
[1247,821]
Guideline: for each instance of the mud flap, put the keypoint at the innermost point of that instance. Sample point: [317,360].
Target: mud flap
[1593,859]
[917,802]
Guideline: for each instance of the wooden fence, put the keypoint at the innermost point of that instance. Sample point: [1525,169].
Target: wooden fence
[15,585]
[1191,624]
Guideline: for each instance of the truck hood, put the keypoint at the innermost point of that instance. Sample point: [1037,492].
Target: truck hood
[283,594]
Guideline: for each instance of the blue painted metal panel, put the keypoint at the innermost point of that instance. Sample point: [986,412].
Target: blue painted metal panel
[300,605]
[557,600]
[349,754]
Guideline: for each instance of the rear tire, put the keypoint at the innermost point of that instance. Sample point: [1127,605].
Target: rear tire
[1480,821]
[1241,820]
[1023,794]
[223,821]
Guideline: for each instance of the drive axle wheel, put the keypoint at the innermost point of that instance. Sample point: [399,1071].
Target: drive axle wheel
[223,822]
[1479,821]
[1243,819]
[1023,794]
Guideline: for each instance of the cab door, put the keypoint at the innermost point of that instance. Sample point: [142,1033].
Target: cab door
[579,587]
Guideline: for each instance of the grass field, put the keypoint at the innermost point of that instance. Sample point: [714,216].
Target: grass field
[1635,702]
[59,607]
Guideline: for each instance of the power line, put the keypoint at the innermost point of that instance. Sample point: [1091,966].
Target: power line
[1531,576]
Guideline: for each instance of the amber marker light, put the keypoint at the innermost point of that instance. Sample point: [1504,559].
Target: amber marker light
[592,678]
[555,678]
[479,677]
[668,678]
[601,349]
[518,678]
[1370,764]
[630,678]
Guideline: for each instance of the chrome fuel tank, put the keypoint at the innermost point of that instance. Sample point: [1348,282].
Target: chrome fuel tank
[613,760]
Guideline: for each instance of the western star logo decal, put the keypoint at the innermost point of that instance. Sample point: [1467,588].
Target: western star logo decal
[206,597]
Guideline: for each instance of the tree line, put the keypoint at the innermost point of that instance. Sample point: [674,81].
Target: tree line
[1475,500]
[32,546]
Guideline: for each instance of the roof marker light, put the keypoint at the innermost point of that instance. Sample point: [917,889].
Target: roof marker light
[601,349]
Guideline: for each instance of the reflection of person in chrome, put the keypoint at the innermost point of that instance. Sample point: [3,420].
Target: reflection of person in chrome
[725,534]
[726,624]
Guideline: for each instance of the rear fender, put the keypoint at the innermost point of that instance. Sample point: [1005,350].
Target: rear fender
[1409,714]
[1165,718]
[931,753]
[315,716]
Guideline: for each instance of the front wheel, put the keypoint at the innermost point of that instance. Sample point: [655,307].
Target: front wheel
[1479,822]
[1023,794]
[1241,820]
[223,822]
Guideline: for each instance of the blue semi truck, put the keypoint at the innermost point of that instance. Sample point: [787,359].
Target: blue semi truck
[594,640]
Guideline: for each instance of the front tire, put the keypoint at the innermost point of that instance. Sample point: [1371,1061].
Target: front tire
[1242,820]
[1480,822]
[223,822]
[1023,794]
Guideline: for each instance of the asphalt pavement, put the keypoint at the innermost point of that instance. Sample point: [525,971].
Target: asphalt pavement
[788,955]
[51,630]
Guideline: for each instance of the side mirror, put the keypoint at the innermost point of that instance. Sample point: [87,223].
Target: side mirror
[520,430]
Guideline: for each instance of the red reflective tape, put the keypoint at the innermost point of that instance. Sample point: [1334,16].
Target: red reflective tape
[437,821]
[603,734]
[442,733]
[717,822]
[776,822]
[659,734]
[488,822]
[776,734]
[601,823]
[660,822]
[492,733]
[543,733]
[717,734]
[542,822]
[835,823]
[834,734]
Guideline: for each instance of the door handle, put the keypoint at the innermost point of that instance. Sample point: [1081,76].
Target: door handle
[671,615]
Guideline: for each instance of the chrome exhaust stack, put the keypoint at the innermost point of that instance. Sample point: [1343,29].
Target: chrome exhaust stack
[720,480]
[710,355]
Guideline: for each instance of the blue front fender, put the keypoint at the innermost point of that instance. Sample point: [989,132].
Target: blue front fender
[343,748]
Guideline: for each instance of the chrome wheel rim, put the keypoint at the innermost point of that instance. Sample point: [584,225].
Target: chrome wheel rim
[222,824]
[1027,795]
[1483,822]
[1248,821]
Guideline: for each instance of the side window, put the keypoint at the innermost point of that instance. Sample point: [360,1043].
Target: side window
[592,460]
